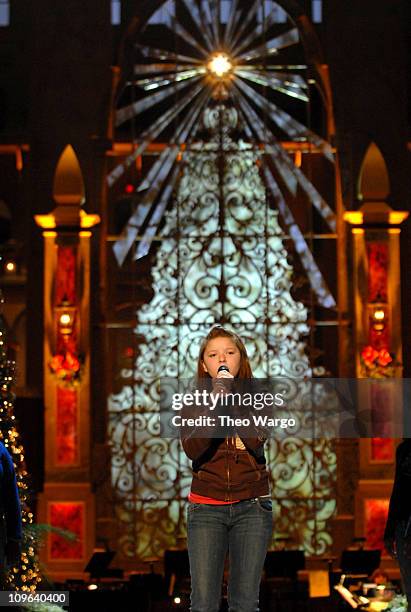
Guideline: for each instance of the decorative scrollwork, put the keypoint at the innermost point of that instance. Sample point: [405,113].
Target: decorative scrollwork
[222,259]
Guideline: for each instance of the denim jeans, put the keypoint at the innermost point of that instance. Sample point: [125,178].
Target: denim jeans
[244,530]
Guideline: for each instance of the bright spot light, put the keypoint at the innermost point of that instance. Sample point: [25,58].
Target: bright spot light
[65,319]
[92,587]
[220,64]
[379,315]
[10,266]
[177,600]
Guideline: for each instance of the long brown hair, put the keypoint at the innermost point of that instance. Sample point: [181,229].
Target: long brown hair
[217,332]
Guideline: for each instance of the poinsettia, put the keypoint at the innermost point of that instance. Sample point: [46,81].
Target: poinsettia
[369,354]
[377,363]
[66,366]
[384,358]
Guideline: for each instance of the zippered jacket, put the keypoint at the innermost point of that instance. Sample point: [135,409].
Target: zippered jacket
[225,472]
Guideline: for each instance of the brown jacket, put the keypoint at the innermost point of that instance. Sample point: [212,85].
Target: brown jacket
[222,471]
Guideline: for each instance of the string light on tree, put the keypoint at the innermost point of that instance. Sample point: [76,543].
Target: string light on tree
[27,576]
[10,267]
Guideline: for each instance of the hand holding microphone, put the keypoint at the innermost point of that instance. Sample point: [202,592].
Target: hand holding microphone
[221,384]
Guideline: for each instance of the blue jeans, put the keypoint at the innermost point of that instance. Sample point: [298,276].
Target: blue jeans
[244,530]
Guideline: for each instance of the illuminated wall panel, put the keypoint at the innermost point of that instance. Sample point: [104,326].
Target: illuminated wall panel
[382,449]
[376,511]
[67,426]
[69,516]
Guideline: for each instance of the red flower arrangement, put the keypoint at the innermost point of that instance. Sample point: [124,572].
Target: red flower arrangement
[66,366]
[377,364]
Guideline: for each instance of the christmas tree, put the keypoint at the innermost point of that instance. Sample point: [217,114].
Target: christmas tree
[26,576]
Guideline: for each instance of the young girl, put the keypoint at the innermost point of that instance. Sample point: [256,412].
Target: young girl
[230,506]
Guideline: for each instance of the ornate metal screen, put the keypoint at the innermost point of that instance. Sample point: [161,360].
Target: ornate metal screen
[218,202]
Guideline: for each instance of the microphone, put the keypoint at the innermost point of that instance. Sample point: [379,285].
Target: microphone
[223,368]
